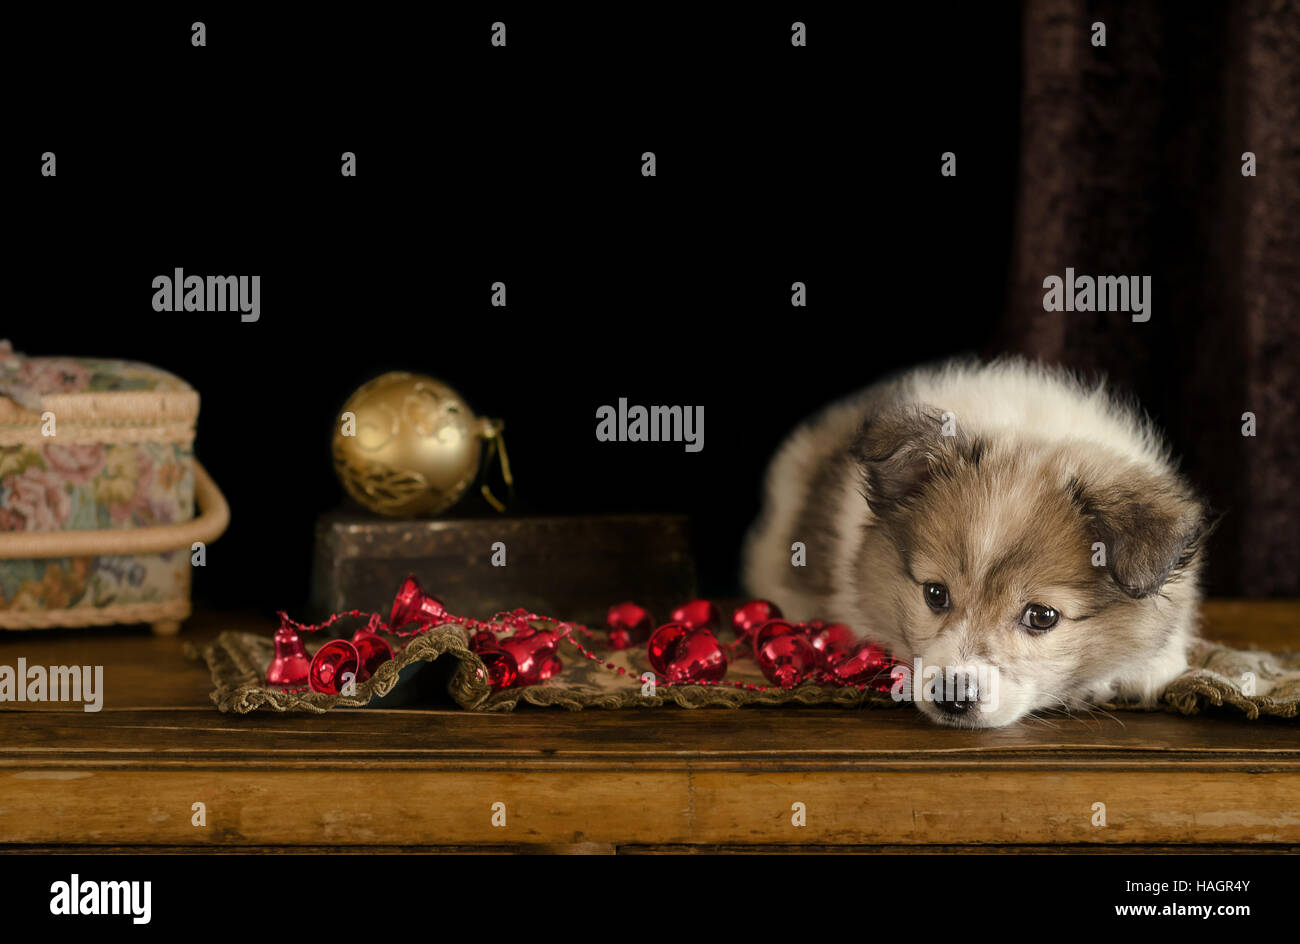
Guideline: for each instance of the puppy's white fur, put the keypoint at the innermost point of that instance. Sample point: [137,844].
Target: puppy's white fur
[1037,449]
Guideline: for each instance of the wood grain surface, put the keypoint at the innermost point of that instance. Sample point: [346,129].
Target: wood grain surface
[637,780]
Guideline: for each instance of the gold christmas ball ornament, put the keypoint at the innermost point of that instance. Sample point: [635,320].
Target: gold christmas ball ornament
[407,445]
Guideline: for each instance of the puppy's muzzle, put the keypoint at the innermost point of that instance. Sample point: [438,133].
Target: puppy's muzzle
[956,706]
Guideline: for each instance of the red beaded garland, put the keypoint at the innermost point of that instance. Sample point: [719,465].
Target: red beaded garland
[689,655]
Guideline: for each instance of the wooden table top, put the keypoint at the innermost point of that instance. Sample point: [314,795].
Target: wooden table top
[130,774]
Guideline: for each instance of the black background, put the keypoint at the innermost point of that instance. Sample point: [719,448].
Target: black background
[476,164]
[270,894]
[521,164]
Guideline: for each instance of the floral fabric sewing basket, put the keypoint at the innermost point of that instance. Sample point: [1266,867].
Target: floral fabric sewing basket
[98,487]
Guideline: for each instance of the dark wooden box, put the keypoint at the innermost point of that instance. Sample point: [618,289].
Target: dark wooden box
[569,568]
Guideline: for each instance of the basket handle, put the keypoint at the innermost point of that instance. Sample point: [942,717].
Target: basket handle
[214,516]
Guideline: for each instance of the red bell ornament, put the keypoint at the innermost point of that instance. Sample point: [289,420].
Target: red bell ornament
[372,649]
[697,614]
[834,642]
[551,667]
[501,668]
[749,616]
[290,666]
[334,665]
[773,627]
[785,658]
[482,640]
[867,665]
[413,605]
[534,655]
[629,625]
[680,653]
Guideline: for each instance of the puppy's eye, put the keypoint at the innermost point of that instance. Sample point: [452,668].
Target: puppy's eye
[936,596]
[1039,617]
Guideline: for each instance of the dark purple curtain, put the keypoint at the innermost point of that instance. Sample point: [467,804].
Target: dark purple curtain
[1131,164]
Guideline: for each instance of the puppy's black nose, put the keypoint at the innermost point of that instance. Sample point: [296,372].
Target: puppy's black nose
[958,706]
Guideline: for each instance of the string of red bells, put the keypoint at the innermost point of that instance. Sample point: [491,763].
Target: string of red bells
[684,651]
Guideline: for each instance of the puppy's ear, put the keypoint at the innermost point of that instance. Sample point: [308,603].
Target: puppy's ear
[1153,526]
[899,453]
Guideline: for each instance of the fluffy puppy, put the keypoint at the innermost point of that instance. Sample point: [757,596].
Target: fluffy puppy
[1004,519]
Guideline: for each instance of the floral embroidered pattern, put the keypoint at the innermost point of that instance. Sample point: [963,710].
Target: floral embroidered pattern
[70,582]
[119,485]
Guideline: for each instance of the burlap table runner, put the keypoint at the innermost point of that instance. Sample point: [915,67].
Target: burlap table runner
[239,661]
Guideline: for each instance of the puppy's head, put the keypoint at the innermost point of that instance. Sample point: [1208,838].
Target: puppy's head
[1040,575]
